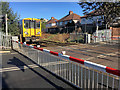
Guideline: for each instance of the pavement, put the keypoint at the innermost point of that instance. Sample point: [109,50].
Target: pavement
[19,72]
[104,53]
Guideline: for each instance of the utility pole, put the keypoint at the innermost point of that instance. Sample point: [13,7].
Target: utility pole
[6,24]
[97,25]
[97,31]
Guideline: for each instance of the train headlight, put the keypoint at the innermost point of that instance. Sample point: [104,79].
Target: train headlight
[26,33]
[38,32]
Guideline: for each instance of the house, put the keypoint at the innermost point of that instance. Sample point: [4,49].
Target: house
[65,24]
[90,22]
[68,19]
[51,24]
[115,27]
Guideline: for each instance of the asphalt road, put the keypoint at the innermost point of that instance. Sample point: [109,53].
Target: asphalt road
[20,72]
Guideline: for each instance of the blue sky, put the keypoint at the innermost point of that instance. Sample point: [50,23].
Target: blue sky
[45,9]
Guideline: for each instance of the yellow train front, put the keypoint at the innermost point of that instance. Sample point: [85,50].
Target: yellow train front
[30,29]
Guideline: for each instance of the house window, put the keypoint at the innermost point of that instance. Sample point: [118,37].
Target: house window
[65,22]
[60,23]
[83,19]
[50,25]
[56,23]
[70,21]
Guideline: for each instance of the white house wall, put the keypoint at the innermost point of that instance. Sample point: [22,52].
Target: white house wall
[75,21]
[50,24]
[53,24]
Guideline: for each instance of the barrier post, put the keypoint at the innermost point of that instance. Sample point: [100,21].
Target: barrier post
[89,38]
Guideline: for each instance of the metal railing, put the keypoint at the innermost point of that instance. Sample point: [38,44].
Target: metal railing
[5,41]
[81,73]
[102,35]
[78,37]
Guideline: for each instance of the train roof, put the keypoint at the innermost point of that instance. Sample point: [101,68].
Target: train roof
[30,19]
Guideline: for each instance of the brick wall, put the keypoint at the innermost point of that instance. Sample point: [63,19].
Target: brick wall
[115,32]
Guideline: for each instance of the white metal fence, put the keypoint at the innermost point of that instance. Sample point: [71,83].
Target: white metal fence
[5,41]
[80,37]
[78,72]
[102,35]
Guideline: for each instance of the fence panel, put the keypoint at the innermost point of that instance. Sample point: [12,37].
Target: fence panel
[80,73]
[78,37]
[102,35]
[6,41]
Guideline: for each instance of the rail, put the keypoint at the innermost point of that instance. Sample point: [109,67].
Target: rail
[80,73]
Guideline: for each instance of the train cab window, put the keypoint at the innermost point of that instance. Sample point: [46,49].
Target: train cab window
[26,23]
[37,24]
[32,24]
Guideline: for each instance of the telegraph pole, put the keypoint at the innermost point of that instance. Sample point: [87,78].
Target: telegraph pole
[97,24]
[6,24]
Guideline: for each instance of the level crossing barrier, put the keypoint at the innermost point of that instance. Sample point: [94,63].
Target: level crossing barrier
[80,73]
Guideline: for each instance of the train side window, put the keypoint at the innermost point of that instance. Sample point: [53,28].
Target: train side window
[37,24]
[26,24]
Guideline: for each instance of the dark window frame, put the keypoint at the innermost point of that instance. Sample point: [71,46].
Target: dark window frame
[28,26]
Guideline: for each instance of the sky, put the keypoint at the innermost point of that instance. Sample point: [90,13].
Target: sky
[45,9]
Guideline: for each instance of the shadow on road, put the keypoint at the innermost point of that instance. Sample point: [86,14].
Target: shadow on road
[15,61]
[20,64]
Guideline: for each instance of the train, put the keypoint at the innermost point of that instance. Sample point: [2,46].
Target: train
[30,30]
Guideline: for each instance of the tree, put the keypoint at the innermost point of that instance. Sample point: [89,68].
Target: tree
[43,23]
[110,10]
[13,19]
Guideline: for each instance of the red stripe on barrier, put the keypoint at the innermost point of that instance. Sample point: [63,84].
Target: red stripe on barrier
[95,36]
[16,41]
[21,42]
[35,47]
[54,53]
[113,71]
[103,37]
[41,49]
[27,44]
[77,60]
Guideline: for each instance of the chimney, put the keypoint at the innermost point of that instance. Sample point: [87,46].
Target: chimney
[52,17]
[70,12]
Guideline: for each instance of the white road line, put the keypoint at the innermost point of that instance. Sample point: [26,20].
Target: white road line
[103,56]
[29,66]
[13,53]
[18,68]
[1,52]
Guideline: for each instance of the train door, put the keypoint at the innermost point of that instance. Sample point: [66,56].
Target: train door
[26,29]
[32,27]
[38,30]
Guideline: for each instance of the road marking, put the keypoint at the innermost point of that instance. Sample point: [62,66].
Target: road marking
[13,53]
[90,58]
[30,66]
[103,56]
[4,52]
[18,68]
